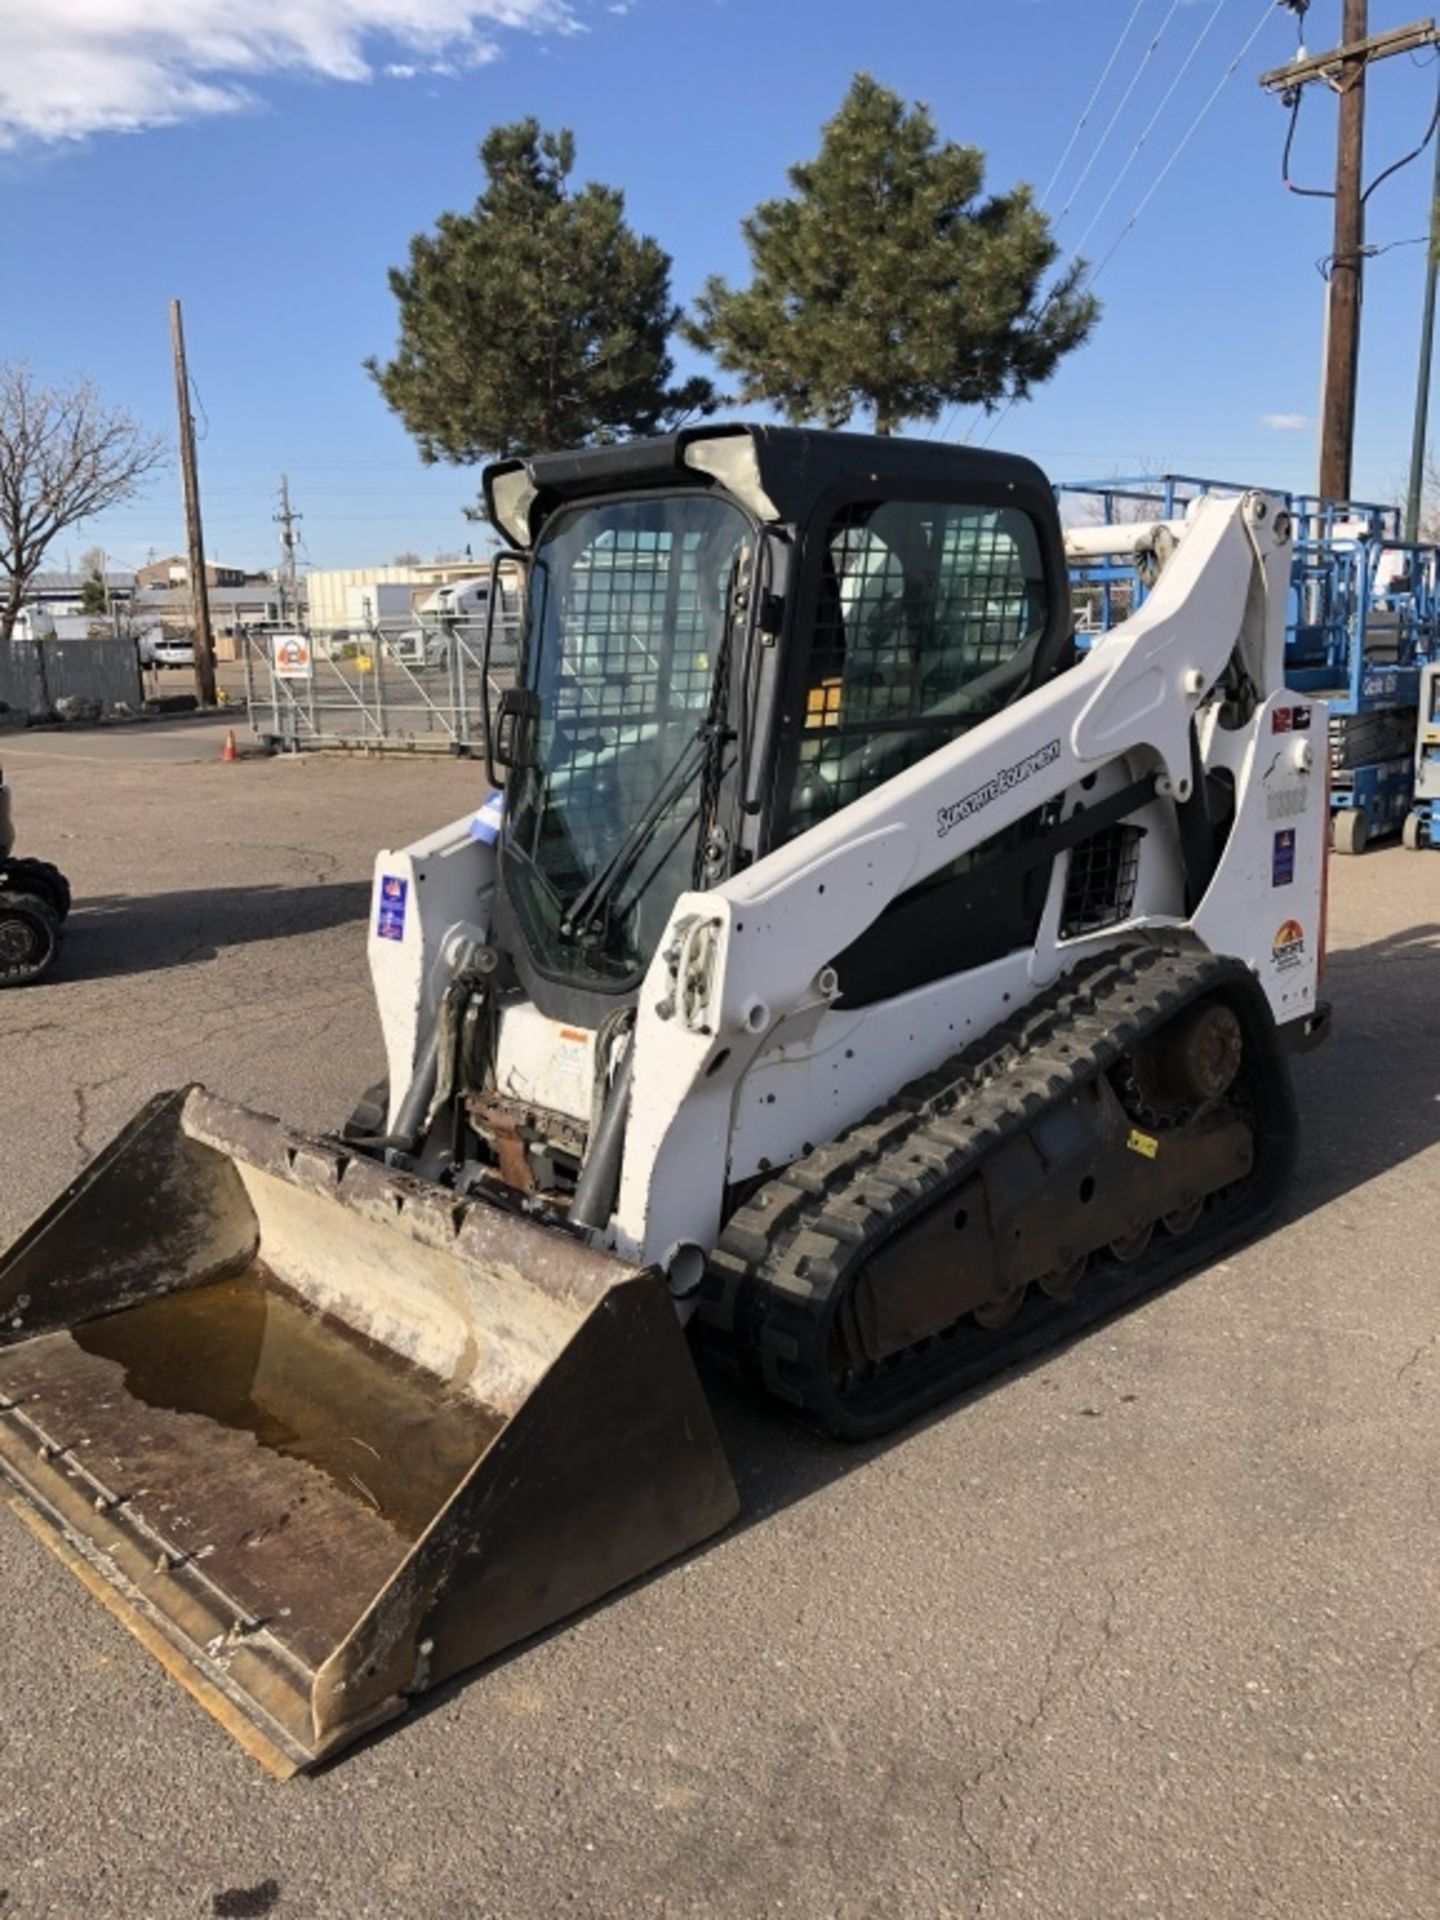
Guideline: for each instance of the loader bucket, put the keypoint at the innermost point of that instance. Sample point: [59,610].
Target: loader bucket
[322,1434]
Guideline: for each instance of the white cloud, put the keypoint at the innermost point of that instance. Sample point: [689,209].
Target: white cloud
[1285,422]
[75,67]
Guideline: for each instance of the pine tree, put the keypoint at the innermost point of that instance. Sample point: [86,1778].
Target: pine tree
[93,597]
[538,320]
[885,284]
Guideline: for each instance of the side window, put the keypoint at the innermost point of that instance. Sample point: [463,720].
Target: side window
[928,618]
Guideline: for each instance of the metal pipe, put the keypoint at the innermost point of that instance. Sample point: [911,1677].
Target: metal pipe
[404,1135]
[600,1176]
[1115,541]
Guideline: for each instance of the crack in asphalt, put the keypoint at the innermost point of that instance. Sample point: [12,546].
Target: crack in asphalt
[81,1125]
[1416,1357]
[1055,1684]
[1412,1670]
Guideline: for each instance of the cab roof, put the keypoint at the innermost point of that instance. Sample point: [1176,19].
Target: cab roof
[778,472]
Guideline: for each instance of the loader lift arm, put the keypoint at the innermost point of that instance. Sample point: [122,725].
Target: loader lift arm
[756,952]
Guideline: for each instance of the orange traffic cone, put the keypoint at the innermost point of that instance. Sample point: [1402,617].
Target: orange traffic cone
[228,751]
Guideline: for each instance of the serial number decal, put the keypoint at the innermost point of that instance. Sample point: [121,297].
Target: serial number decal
[1008,777]
[1286,803]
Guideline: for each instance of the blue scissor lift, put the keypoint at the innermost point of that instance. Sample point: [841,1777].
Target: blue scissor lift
[1422,823]
[1363,621]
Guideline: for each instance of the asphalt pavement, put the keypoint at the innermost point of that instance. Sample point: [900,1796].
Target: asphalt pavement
[1151,1628]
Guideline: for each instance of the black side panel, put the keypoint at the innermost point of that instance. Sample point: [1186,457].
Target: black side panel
[948,924]
[985,905]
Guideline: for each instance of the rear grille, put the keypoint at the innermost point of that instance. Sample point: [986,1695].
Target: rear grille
[1100,886]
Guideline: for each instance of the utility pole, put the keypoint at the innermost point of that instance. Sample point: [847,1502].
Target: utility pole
[1342,362]
[1344,69]
[290,571]
[1422,383]
[199,587]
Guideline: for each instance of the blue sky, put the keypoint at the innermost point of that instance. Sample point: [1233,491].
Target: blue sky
[290,165]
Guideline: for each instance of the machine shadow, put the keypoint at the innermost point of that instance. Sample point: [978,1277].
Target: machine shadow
[1369,1099]
[114,934]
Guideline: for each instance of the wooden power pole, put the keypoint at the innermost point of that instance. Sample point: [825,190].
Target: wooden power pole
[199,586]
[1415,492]
[1342,336]
[1344,69]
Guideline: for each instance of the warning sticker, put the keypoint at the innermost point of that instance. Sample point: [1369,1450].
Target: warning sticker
[1143,1143]
[1288,949]
[390,917]
[1290,720]
[292,657]
[1282,860]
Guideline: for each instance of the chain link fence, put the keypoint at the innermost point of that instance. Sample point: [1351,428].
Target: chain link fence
[423,688]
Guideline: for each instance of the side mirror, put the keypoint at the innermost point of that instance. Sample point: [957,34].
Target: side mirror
[506,558]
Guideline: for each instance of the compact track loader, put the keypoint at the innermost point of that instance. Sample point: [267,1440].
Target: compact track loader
[34,906]
[854,982]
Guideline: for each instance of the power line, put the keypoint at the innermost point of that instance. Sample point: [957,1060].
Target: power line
[1185,139]
[1325,264]
[933,430]
[1149,128]
[1165,100]
[1089,166]
[1307,193]
[1125,97]
[1414,153]
[1155,184]
[1083,121]
[1328,193]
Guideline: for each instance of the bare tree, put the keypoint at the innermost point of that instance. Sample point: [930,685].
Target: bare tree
[64,456]
[1143,500]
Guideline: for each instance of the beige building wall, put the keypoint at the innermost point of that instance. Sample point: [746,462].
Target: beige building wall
[326,588]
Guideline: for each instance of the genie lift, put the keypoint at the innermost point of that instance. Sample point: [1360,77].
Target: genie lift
[1422,823]
[1362,624]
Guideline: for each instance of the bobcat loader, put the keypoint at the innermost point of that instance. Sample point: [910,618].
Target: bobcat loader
[853,982]
[34,905]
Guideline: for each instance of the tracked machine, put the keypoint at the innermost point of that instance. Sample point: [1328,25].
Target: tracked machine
[34,906]
[846,981]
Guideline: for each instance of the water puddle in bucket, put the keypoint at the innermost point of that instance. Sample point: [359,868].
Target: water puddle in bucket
[248,1357]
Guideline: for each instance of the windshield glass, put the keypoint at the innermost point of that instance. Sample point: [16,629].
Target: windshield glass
[626,618]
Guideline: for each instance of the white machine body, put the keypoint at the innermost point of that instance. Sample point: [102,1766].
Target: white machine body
[743,1059]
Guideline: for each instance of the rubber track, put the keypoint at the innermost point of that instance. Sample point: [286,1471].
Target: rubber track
[38,877]
[770,1292]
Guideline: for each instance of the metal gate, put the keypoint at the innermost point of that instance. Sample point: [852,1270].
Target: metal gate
[422,690]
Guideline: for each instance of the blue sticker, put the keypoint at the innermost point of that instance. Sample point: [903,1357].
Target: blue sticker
[390,919]
[1282,862]
[488,821]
